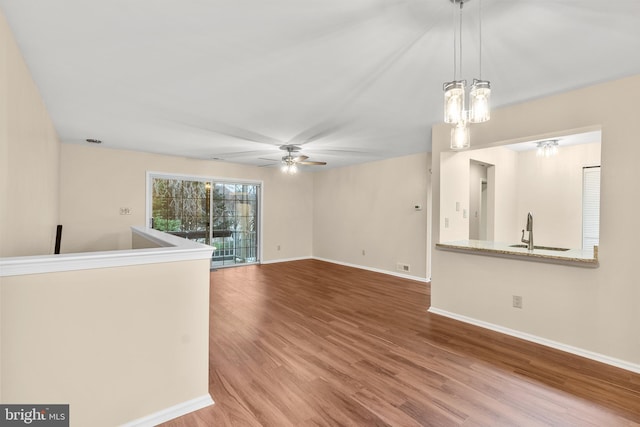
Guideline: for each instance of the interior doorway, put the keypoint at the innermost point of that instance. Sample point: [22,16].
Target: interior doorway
[478,200]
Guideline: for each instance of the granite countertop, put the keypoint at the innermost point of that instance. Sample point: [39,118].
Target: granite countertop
[586,258]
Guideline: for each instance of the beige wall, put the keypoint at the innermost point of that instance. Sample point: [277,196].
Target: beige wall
[29,158]
[96,182]
[592,309]
[29,161]
[96,339]
[370,207]
[298,211]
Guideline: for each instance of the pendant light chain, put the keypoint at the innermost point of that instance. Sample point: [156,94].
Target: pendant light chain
[455,41]
[480,38]
[460,38]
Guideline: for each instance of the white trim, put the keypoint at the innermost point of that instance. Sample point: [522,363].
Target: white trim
[204,178]
[598,357]
[171,249]
[260,221]
[166,240]
[172,412]
[275,261]
[346,264]
[376,270]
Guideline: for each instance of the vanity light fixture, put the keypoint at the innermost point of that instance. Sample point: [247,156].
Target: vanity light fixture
[455,90]
[547,148]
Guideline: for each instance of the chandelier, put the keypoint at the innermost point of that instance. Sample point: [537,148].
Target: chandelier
[547,148]
[455,107]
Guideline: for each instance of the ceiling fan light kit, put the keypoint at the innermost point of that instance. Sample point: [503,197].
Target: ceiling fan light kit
[290,163]
[290,169]
[455,91]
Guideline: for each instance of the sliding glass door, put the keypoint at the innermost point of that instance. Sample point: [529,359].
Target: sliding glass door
[235,223]
[221,214]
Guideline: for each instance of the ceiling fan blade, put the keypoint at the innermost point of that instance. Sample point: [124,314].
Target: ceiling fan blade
[300,159]
[312,163]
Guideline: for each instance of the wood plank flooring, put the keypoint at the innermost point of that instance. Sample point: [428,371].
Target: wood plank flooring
[309,343]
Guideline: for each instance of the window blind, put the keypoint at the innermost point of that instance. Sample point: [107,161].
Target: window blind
[590,207]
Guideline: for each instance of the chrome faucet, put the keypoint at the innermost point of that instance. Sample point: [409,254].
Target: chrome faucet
[529,228]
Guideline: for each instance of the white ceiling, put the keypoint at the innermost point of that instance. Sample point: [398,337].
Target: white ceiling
[349,80]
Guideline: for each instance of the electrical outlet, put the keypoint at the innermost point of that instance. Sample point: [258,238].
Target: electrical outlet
[405,268]
[278,247]
[125,211]
[363,252]
[446,223]
[517,301]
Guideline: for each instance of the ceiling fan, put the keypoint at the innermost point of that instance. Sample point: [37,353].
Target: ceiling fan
[290,162]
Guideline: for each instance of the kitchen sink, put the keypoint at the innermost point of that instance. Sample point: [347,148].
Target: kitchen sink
[546,248]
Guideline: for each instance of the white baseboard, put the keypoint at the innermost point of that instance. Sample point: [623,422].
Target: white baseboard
[376,270]
[275,261]
[633,367]
[346,264]
[172,412]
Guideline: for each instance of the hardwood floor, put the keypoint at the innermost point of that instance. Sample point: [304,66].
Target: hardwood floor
[308,343]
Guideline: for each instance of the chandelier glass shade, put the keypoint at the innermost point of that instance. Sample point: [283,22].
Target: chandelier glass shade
[460,138]
[479,97]
[454,101]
